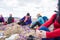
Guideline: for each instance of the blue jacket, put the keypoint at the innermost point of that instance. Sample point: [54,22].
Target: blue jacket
[40,20]
[29,21]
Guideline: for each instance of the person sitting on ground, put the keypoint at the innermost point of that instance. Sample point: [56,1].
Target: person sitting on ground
[55,20]
[10,19]
[1,19]
[45,18]
[38,22]
[26,20]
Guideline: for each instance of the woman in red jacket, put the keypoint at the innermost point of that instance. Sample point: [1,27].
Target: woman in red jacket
[55,20]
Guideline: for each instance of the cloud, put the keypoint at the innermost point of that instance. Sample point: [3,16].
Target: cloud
[19,8]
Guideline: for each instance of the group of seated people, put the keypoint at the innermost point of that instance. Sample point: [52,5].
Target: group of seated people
[40,20]
[10,19]
[26,20]
[43,23]
[45,33]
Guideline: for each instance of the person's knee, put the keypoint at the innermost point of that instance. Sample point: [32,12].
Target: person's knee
[47,39]
[44,28]
[43,38]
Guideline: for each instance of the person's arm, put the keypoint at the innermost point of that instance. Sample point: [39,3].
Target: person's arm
[40,20]
[50,21]
[30,19]
[45,34]
[26,18]
[53,34]
[13,20]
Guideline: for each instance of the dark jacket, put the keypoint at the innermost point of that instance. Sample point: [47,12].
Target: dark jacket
[10,20]
[1,19]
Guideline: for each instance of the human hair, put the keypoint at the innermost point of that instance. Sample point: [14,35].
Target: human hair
[28,14]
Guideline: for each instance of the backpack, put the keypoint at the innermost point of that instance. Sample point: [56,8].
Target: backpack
[45,18]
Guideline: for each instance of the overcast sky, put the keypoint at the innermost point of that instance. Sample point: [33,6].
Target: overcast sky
[19,8]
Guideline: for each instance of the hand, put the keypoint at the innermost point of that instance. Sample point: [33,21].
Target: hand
[38,33]
[24,20]
[41,33]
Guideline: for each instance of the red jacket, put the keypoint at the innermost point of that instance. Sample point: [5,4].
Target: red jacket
[55,33]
